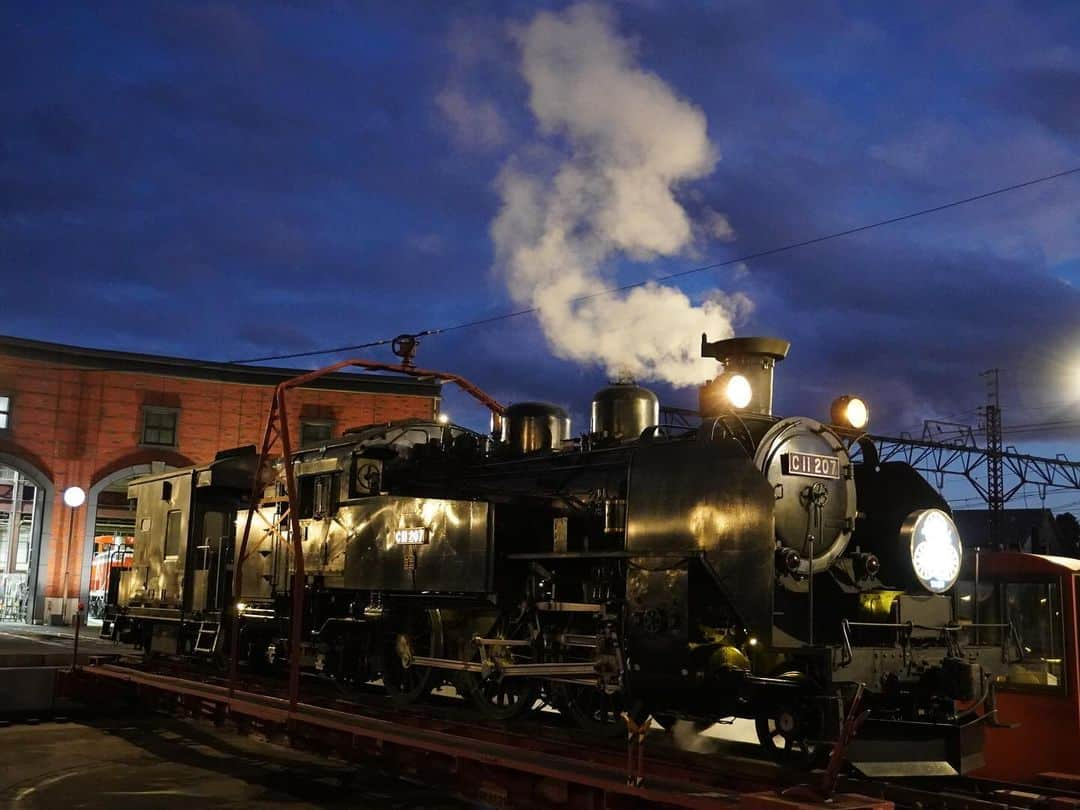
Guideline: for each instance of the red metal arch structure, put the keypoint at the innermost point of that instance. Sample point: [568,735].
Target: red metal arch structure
[277,432]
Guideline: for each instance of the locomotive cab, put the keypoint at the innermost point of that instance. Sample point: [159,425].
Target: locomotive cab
[172,597]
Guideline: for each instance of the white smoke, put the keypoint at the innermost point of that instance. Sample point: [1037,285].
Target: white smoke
[628,141]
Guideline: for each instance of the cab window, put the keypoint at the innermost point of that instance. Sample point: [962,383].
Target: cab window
[317,496]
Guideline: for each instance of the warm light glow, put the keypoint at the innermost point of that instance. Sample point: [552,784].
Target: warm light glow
[935,548]
[431,511]
[857,413]
[850,411]
[443,418]
[74,497]
[706,522]
[240,608]
[738,391]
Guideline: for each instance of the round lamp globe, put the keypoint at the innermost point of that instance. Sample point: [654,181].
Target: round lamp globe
[74,497]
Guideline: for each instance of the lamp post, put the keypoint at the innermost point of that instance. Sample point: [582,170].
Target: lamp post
[74,497]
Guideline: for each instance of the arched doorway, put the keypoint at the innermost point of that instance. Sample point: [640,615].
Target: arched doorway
[26,496]
[110,535]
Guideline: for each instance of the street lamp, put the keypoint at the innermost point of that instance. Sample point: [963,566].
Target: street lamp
[74,497]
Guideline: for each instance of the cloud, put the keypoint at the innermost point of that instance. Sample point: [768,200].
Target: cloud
[1049,94]
[622,142]
[298,161]
[718,226]
[477,50]
[475,122]
[918,150]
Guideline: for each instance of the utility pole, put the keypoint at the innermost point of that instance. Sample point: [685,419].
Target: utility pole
[995,468]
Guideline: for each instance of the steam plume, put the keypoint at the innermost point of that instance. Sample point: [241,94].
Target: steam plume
[627,142]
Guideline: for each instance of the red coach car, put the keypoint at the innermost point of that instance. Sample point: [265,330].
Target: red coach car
[1033,599]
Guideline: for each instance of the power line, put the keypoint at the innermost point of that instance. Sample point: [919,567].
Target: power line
[761,254]
[1039,427]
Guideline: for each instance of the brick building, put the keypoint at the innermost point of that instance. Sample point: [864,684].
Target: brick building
[95,419]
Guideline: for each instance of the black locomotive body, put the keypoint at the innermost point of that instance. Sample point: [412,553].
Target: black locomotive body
[746,567]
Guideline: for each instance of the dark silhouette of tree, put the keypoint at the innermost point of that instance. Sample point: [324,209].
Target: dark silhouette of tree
[1068,528]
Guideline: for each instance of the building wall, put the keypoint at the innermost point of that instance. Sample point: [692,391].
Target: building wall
[78,426]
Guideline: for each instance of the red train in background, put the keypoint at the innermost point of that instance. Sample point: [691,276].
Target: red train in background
[112,556]
[1038,699]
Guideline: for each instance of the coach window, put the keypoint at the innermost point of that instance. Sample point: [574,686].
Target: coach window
[5,412]
[315,432]
[986,611]
[159,427]
[1034,613]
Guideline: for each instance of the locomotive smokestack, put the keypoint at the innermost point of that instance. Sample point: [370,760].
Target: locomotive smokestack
[751,358]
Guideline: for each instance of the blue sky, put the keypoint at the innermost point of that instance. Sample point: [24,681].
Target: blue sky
[226,180]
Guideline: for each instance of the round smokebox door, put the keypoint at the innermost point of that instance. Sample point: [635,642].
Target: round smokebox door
[810,472]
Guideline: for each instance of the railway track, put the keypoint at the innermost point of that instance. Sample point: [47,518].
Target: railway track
[538,760]
[968,793]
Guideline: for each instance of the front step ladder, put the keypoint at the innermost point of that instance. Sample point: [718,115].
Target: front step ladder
[207,639]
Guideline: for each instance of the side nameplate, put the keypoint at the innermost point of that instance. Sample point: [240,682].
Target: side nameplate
[415,536]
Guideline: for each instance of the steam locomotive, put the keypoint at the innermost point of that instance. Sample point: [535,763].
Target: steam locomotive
[744,567]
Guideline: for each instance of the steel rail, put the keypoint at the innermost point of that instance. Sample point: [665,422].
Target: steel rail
[677,778]
[461,747]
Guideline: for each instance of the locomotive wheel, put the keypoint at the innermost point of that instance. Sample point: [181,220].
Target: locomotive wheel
[497,696]
[593,709]
[783,731]
[417,633]
[350,681]
[588,705]
[501,698]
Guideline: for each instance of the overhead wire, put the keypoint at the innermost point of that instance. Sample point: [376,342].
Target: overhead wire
[691,271]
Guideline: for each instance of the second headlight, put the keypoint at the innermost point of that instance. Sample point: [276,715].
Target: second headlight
[850,411]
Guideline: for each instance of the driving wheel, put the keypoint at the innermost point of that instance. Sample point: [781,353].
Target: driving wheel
[787,729]
[497,695]
[415,633]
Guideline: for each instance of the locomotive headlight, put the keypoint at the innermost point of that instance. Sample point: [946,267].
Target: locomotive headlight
[737,391]
[850,411]
[935,548]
